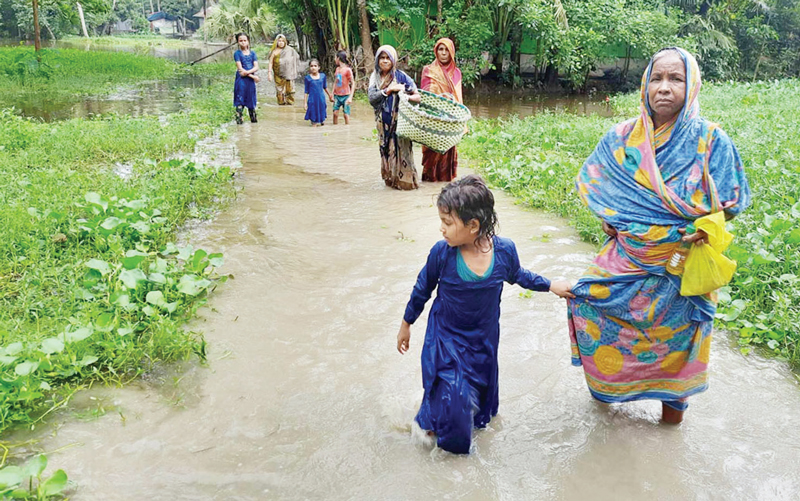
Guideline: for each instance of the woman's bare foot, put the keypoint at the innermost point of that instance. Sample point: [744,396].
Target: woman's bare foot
[670,415]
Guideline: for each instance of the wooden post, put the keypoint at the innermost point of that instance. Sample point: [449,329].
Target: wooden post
[83,21]
[205,18]
[37,42]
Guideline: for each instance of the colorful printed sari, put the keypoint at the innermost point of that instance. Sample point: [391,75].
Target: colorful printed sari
[631,330]
[441,79]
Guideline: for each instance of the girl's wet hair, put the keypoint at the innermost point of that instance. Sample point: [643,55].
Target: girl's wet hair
[244,35]
[469,198]
[342,55]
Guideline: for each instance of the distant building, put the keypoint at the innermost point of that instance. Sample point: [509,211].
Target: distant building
[202,13]
[163,23]
[122,27]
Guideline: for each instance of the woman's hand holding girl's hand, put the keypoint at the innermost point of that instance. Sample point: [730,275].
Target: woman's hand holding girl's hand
[699,237]
[403,337]
[609,230]
[562,289]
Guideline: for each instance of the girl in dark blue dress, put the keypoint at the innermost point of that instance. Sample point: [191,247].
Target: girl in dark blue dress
[244,89]
[316,85]
[459,355]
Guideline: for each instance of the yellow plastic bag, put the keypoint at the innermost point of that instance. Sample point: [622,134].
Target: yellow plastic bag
[706,268]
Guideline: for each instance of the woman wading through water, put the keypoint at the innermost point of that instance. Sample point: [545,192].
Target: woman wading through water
[648,179]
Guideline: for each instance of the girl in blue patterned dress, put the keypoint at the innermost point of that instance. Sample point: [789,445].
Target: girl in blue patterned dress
[316,86]
[244,89]
[459,355]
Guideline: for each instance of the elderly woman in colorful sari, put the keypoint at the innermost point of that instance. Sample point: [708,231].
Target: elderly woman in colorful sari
[397,159]
[444,78]
[283,67]
[648,179]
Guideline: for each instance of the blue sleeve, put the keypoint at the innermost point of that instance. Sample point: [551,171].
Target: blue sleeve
[306,82]
[519,275]
[324,82]
[726,169]
[237,56]
[427,280]
[255,58]
[411,87]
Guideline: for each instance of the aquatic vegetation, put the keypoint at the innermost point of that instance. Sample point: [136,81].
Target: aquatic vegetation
[17,482]
[71,74]
[93,285]
[537,159]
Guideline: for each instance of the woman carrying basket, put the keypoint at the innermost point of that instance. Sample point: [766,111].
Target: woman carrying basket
[397,159]
[444,78]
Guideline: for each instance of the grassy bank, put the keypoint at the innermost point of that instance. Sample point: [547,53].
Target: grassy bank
[70,74]
[537,159]
[92,285]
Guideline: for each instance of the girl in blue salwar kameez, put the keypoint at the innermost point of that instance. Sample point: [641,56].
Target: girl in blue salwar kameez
[459,356]
[244,88]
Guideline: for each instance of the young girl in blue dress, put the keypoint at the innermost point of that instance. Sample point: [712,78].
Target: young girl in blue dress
[459,355]
[244,89]
[316,85]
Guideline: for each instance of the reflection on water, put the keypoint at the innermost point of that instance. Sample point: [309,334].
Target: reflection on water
[149,98]
[305,396]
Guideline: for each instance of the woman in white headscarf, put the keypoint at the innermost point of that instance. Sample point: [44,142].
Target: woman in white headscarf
[283,68]
[397,159]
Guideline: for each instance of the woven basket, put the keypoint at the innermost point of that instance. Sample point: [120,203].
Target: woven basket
[437,122]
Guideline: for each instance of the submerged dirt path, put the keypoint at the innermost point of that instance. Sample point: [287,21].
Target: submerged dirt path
[305,396]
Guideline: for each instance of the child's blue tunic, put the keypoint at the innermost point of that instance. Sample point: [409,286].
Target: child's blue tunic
[317,106]
[244,88]
[459,356]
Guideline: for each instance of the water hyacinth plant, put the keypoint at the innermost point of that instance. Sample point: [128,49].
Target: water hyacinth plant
[93,285]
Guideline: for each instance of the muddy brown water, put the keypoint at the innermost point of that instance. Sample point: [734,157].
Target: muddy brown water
[306,397]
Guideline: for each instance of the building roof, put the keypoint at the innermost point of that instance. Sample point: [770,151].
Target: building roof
[155,16]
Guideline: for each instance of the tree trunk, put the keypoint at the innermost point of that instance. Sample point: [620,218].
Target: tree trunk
[366,36]
[83,21]
[52,35]
[37,42]
[438,14]
[627,67]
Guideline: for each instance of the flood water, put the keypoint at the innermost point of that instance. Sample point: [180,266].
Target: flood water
[162,97]
[306,397]
[158,97]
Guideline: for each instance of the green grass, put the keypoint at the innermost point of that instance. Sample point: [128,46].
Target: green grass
[70,74]
[537,159]
[92,285]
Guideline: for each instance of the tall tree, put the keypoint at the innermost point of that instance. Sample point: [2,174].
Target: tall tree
[37,43]
[366,35]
